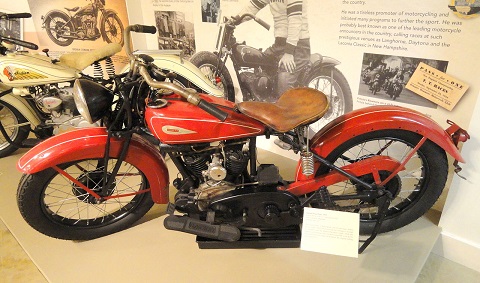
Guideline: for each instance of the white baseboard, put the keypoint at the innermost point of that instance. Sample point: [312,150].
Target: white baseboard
[459,250]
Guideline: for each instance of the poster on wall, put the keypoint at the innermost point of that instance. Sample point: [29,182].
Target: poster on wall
[12,27]
[361,53]
[73,26]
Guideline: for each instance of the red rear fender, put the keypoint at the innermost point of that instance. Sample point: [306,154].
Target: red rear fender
[90,143]
[376,118]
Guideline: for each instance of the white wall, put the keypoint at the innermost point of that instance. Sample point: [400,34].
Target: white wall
[460,221]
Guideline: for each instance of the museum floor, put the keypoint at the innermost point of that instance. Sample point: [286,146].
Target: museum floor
[16,264]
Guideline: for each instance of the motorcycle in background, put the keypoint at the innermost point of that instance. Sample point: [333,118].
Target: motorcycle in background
[36,90]
[87,23]
[257,75]
[387,163]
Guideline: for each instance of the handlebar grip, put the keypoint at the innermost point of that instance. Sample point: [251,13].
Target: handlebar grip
[18,16]
[144,29]
[262,23]
[212,110]
[26,44]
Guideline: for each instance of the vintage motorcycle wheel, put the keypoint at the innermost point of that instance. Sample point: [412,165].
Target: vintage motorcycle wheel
[58,24]
[414,189]
[334,84]
[112,29]
[10,117]
[55,206]
[208,62]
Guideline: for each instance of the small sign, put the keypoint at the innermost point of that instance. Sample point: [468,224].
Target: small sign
[330,232]
[436,86]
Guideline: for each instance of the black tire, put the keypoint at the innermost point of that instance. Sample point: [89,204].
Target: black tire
[54,206]
[340,98]
[58,24]
[415,189]
[112,29]
[9,117]
[208,62]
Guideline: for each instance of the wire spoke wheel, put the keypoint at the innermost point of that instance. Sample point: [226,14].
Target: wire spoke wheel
[336,88]
[67,210]
[112,29]
[414,189]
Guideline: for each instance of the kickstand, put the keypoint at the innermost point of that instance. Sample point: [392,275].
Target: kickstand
[383,204]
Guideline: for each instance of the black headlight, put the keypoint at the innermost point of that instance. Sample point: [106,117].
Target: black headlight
[92,99]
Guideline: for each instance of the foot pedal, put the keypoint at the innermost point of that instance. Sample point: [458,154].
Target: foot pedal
[201,228]
[31,142]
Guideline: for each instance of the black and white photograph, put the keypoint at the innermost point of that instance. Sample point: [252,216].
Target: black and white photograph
[210,11]
[175,32]
[11,27]
[385,76]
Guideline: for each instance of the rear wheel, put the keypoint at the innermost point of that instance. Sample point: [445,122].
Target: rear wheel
[414,189]
[59,28]
[335,86]
[55,206]
[11,118]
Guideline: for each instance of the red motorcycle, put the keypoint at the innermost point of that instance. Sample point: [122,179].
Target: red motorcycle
[388,164]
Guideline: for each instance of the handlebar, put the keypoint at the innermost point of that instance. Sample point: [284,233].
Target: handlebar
[5,16]
[26,44]
[189,94]
[239,20]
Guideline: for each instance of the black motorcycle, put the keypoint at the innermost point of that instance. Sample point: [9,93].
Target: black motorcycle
[85,24]
[257,75]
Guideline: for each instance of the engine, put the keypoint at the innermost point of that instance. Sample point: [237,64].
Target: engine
[217,173]
[89,26]
[59,103]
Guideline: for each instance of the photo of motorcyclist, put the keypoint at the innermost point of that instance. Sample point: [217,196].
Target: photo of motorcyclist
[384,77]
[292,39]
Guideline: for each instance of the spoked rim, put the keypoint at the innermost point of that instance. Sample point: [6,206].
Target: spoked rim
[406,187]
[56,24]
[335,97]
[113,30]
[66,203]
[10,124]
[209,70]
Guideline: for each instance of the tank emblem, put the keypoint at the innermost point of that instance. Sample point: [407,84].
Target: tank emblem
[173,130]
[21,74]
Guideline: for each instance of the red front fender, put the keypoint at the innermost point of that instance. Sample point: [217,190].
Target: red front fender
[376,118]
[90,143]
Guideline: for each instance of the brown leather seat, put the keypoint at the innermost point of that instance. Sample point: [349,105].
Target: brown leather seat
[298,106]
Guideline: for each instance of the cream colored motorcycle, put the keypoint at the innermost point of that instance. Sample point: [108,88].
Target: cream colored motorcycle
[36,90]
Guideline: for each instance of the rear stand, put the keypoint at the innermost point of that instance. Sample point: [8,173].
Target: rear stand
[288,237]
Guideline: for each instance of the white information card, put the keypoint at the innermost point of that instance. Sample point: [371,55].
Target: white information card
[330,232]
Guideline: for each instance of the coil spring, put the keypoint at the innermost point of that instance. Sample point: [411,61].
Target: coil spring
[97,70]
[307,163]
[109,67]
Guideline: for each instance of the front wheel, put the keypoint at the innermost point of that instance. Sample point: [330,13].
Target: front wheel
[208,63]
[11,118]
[59,208]
[112,29]
[414,189]
[59,28]
[335,86]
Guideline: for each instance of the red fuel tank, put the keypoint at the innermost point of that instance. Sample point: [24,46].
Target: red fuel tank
[181,122]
